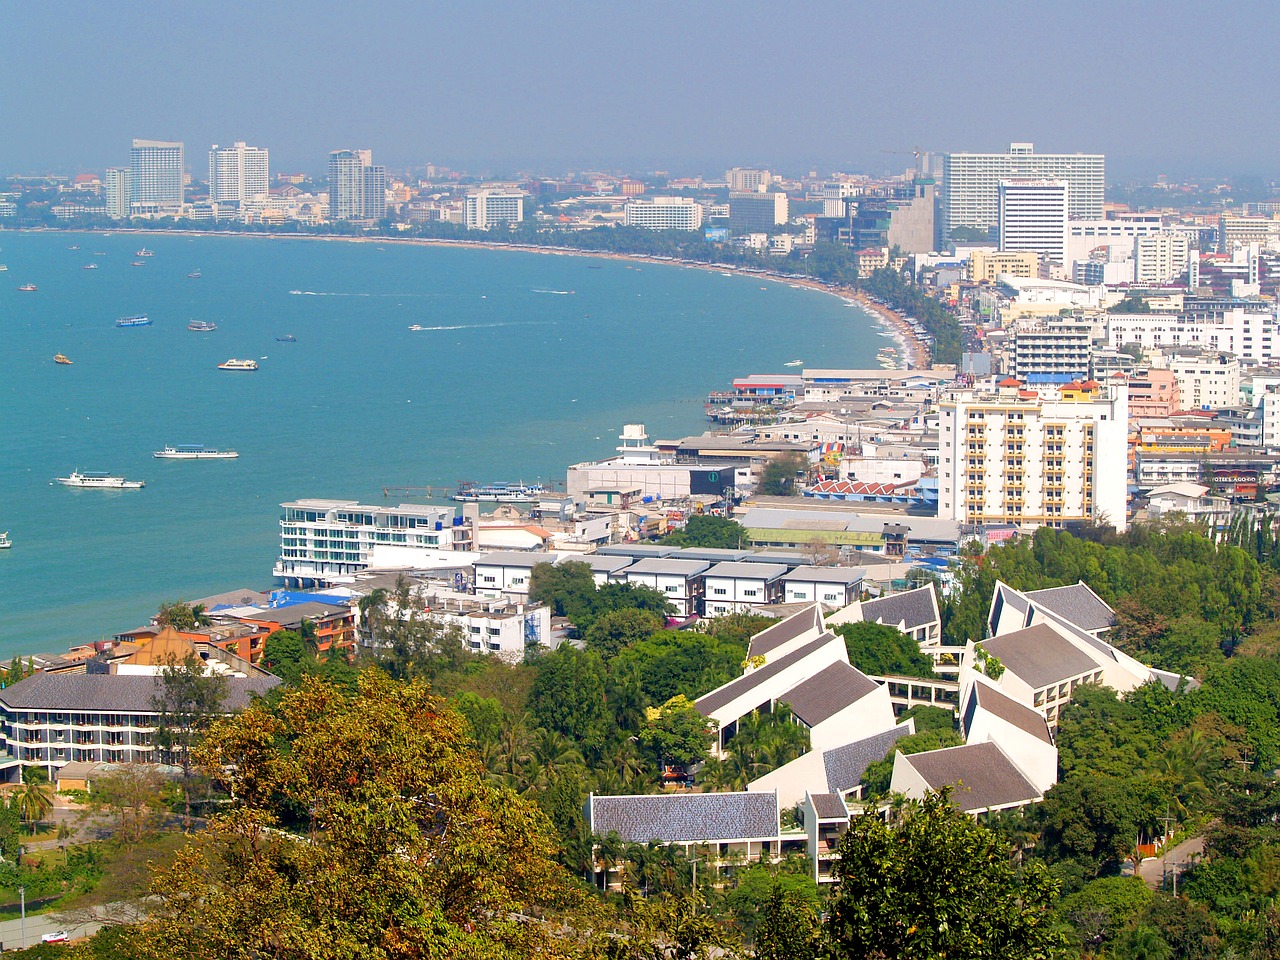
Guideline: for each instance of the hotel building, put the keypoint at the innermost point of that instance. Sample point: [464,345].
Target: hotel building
[486,209]
[237,173]
[1033,218]
[156,174]
[357,188]
[664,213]
[117,192]
[1034,458]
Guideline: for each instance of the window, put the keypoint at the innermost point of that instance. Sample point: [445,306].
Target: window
[721,591]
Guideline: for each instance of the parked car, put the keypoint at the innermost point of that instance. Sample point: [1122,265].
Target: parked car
[60,936]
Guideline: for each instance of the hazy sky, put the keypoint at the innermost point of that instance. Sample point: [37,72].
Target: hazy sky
[690,86]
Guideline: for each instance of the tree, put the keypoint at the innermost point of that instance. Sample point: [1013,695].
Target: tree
[131,796]
[619,629]
[406,641]
[181,616]
[709,531]
[937,884]
[404,849]
[789,926]
[677,733]
[778,478]
[882,650]
[568,696]
[287,655]
[34,797]
[187,699]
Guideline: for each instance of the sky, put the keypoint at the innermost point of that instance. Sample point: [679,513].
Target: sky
[686,87]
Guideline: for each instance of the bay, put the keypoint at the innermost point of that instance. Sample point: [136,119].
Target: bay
[527,363]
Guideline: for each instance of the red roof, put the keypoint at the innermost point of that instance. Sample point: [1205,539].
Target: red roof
[1010,382]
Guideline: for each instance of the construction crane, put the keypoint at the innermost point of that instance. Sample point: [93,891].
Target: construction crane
[915,152]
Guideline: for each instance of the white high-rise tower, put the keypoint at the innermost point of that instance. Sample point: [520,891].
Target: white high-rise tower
[237,173]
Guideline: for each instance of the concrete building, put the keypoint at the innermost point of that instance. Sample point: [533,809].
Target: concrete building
[744,180]
[970,184]
[756,211]
[485,209]
[902,217]
[1236,231]
[1253,336]
[1111,239]
[663,213]
[237,173]
[1159,257]
[1032,216]
[1014,456]
[1053,352]
[118,192]
[156,177]
[1153,393]
[357,188]
[1207,381]
[985,266]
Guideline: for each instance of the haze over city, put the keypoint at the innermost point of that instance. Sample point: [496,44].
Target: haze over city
[500,87]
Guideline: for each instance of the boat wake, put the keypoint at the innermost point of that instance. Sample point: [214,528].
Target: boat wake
[559,293]
[419,328]
[328,293]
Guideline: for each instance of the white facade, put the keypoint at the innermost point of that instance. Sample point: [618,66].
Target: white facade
[741,587]
[1084,237]
[970,183]
[741,179]
[156,172]
[663,213]
[829,586]
[1033,217]
[1270,404]
[237,173]
[118,192]
[1207,382]
[1253,337]
[680,581]
[1054,352]
[1015,457]
[486,209]
[1160,257]
[357,188]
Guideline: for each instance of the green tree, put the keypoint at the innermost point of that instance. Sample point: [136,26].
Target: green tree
[937,884]
[709,531]
[779,476]
[131,797]
[187,700]
[287,655]
[790,926]
[882,650]
[619,629]
[34,797]
[568,696]
[181,616]
[677,733]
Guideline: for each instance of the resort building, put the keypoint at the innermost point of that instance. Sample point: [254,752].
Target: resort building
[986,266]
[156,175]
[237,173]
[756,211]
[357,188]
[486,209]
[118,192]
[1033,218]
[1160,257]
[663,213]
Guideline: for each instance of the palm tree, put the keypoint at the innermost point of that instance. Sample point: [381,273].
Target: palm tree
[609,851]
[35,801]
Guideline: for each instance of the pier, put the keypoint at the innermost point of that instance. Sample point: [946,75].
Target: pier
[426,493]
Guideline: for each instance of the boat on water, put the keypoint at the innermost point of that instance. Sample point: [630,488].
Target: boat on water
[470,492]
[144,252]
[417,327]
[287,338]
[63,359]
[99,480]
[141,320]
[202,326]
[74,246]
[28,288]
[794,363]
[193,275]
[234,364]
[3,268]
[193,451]
[139,263]
[90,266]
[5,542]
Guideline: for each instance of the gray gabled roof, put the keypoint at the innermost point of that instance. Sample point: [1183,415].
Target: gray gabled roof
[774,636]
[828,692]
[685,817]
[829,806]
[726,694]
[748,571]
[1007,709]
[812,574]
[1076,604]
[1040,655]
[516,558]
[846,765]
[981,776]
[112,693]
[666,566]
[914,609]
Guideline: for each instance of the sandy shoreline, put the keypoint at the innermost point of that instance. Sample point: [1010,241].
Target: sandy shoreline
[899,329]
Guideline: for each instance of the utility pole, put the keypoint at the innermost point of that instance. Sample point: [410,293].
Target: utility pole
[22,893]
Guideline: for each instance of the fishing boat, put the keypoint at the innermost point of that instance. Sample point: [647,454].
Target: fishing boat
[470,492]
[99,480]
[234,364]
[193,275]
[287,338]
[202,326]
[141,320]
[63,359]
[5,542]
[90,266]
[144,252]
[193,451]
[28,288]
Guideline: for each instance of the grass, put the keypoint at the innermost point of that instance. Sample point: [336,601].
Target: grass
[126,869]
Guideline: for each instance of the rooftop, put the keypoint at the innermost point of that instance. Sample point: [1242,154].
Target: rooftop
[772,637]
[1040,655]
[726,694]
[981,776]
[846,765]
[1007,709]
[1076,604]
[913,609]
[828,692]
[112,693]
[685,817]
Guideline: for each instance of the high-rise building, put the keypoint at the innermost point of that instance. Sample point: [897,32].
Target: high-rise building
[1033,217]
[237,173]
[664,213]
[116,190]
[742,180]
[756,211]
[486,209]
[1160,257]
[357,188]
[156,174]
[971,182]
[1035,458]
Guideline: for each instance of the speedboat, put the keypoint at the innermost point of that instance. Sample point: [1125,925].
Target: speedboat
[5,542]
[62,358]
[144,252]
[90,266]
[141,320]
[234,364]
[287,338]
[202,326]
[28,288]
[193,275]
[98,480]
[193,451]
[139,263]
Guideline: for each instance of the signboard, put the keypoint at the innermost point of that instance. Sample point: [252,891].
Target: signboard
[710,482]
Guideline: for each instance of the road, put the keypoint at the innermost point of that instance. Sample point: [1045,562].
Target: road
[37,927]
[1172,862]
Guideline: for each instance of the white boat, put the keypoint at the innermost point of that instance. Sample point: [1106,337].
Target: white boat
[234,364]
[141,320]
[794,363]
[5,542]
[98,480]
[469,492]
[193,451]
[3,268]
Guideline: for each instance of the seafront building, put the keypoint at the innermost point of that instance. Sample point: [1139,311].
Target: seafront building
[971,184]
[118,193]
[663,213]
[357,187]
[486,209]
[237,173]
[756,211]
[156,177]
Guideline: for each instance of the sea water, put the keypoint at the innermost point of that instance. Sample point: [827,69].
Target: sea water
[526,363]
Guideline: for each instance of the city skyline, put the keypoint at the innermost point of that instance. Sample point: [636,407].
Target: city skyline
[655,88]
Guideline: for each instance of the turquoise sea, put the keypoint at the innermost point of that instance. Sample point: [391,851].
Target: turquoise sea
[528,362]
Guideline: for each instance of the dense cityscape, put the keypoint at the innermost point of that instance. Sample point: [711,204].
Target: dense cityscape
[967,651]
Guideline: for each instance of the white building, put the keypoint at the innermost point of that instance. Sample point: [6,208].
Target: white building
[1252,336]
[836,196]
[237,173]
[743,180]
[663,213]
[970,183]
[738,587]
[326,540]
[829,586]
[1033,217]
[1016,456]
[357,188]
[117,190]
[1053,352]
[1207,381]
[680,581]
[1159,257]
[156,175]
[485,209]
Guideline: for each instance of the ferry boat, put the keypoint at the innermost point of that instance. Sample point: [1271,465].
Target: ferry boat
[287,338]
[5,542]
[239,365]
[469,492]
[98,480]
[202,326]
[144,252]
[193,451]
[62,358]
[28,288]
[141,320]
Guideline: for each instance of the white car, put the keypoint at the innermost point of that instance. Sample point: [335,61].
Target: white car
[60,936]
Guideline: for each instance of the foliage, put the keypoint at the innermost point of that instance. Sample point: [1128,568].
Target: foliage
[404,639]
[882,650]
[35,797]
[790,924]
[1104,908]
[677,733]
[131,796]
[287,655]
[681,662]
[709,531]
[1095,820]
[570,590]
[899,293]
[186,703]
[779,476]
[619,629]
[755,890]
[878,775]
[568,696]
[181,616]
[764,742]
[937,884]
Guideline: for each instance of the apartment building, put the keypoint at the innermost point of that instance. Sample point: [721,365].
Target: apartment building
[237,173]
[663,213]
[485,209]
[756,211]
[118,192]
[1160,257]
[1207,381]
[1034,458]
[156,175]
[1051,352]
[1252,335]
[357,188]
[1033,218]
[985,266]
